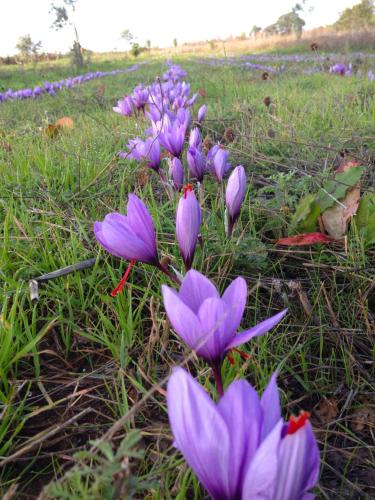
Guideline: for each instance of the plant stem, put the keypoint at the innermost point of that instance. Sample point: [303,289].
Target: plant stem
[168,273]
[218,380]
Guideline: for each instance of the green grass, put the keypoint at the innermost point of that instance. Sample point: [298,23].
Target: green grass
[80,360]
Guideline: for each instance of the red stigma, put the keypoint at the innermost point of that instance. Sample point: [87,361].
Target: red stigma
[296,423]
[123,280]
[243,355]
[187,188]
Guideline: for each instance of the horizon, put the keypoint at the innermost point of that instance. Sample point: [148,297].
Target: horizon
[103,31]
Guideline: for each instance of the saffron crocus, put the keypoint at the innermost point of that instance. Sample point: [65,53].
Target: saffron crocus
[234,195]
[240,448]
[195,139]
[202,113]
[176,171]
[131,236]
[125,106]
[220,163]
[207,322]
[371,75]
[195,163]
[188,221]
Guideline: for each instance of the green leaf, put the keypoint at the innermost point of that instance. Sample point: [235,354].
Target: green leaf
[336,189]
[365,218]
[306,215]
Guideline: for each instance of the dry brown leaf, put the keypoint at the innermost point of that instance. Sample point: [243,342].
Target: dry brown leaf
[335,219]
[65,121]
[6,146]
[54,128]
[327,410]
[363,417]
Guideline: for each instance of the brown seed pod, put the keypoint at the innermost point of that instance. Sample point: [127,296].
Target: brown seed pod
[229,134]
[267,101]
[207,144]
[265,75]
[314,46]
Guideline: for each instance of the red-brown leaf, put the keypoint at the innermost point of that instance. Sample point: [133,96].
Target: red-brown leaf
[304,239]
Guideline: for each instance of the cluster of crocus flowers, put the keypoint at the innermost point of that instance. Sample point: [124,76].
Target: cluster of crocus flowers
[50,88]
[241,448]
[341,69]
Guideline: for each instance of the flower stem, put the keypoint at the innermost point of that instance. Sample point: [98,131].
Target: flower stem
[216,368]
[168,273]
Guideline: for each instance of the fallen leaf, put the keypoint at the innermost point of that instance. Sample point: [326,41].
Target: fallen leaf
[304,239]
[62,123]
[306,215]
[327,410]
[335,219]
[202,92]
[336,189]
[363,417]
[365,218]
[6,146]
[65,121]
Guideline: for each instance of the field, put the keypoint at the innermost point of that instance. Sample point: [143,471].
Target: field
[83,374]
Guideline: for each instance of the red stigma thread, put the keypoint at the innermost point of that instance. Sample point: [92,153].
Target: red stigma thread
[243,355]
[123,280]
[295,423]
[187,188]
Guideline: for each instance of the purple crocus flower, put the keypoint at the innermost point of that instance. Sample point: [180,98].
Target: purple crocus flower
[220,163]
[140,96]
[371,75]
[188,221]
[207,322]
[131,236]
[338,69]
[202,113]
[240,448]
[195,138]
[171,134]
[195,162]
[210,157]
[124,106]
[234,195]
[176,171]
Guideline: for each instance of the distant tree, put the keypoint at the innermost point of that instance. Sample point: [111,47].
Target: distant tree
[148,44]
[63,14]
[358,17]
[27,47]
[255,30]
[175,43]
[288,24]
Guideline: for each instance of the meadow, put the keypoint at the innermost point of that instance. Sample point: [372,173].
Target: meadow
[83,411]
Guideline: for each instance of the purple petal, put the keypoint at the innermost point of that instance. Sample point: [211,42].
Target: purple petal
[242,413]
[200,432]
[141,222]
[270,403]
[261,476]
[257,330]
[213,315]
[183,320]
[298,464]
[235,298]
[195,289]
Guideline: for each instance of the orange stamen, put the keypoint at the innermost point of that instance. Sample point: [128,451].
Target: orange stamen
[123,280]
[243,354]
[231,359]
[187,188]
[295,423]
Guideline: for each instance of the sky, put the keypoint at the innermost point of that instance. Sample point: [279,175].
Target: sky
[100,23]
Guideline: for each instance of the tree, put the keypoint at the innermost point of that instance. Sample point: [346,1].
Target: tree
[63,14]
[289,23]
[148,44]
[175,43]
[27,47]
[358,17]
[255,30]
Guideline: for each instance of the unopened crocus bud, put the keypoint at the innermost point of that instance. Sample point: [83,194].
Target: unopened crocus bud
[125,106]
[188,221]
[234,195]
[195,138]
[202,113]
[176,171]
[196,163]
[220,163]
